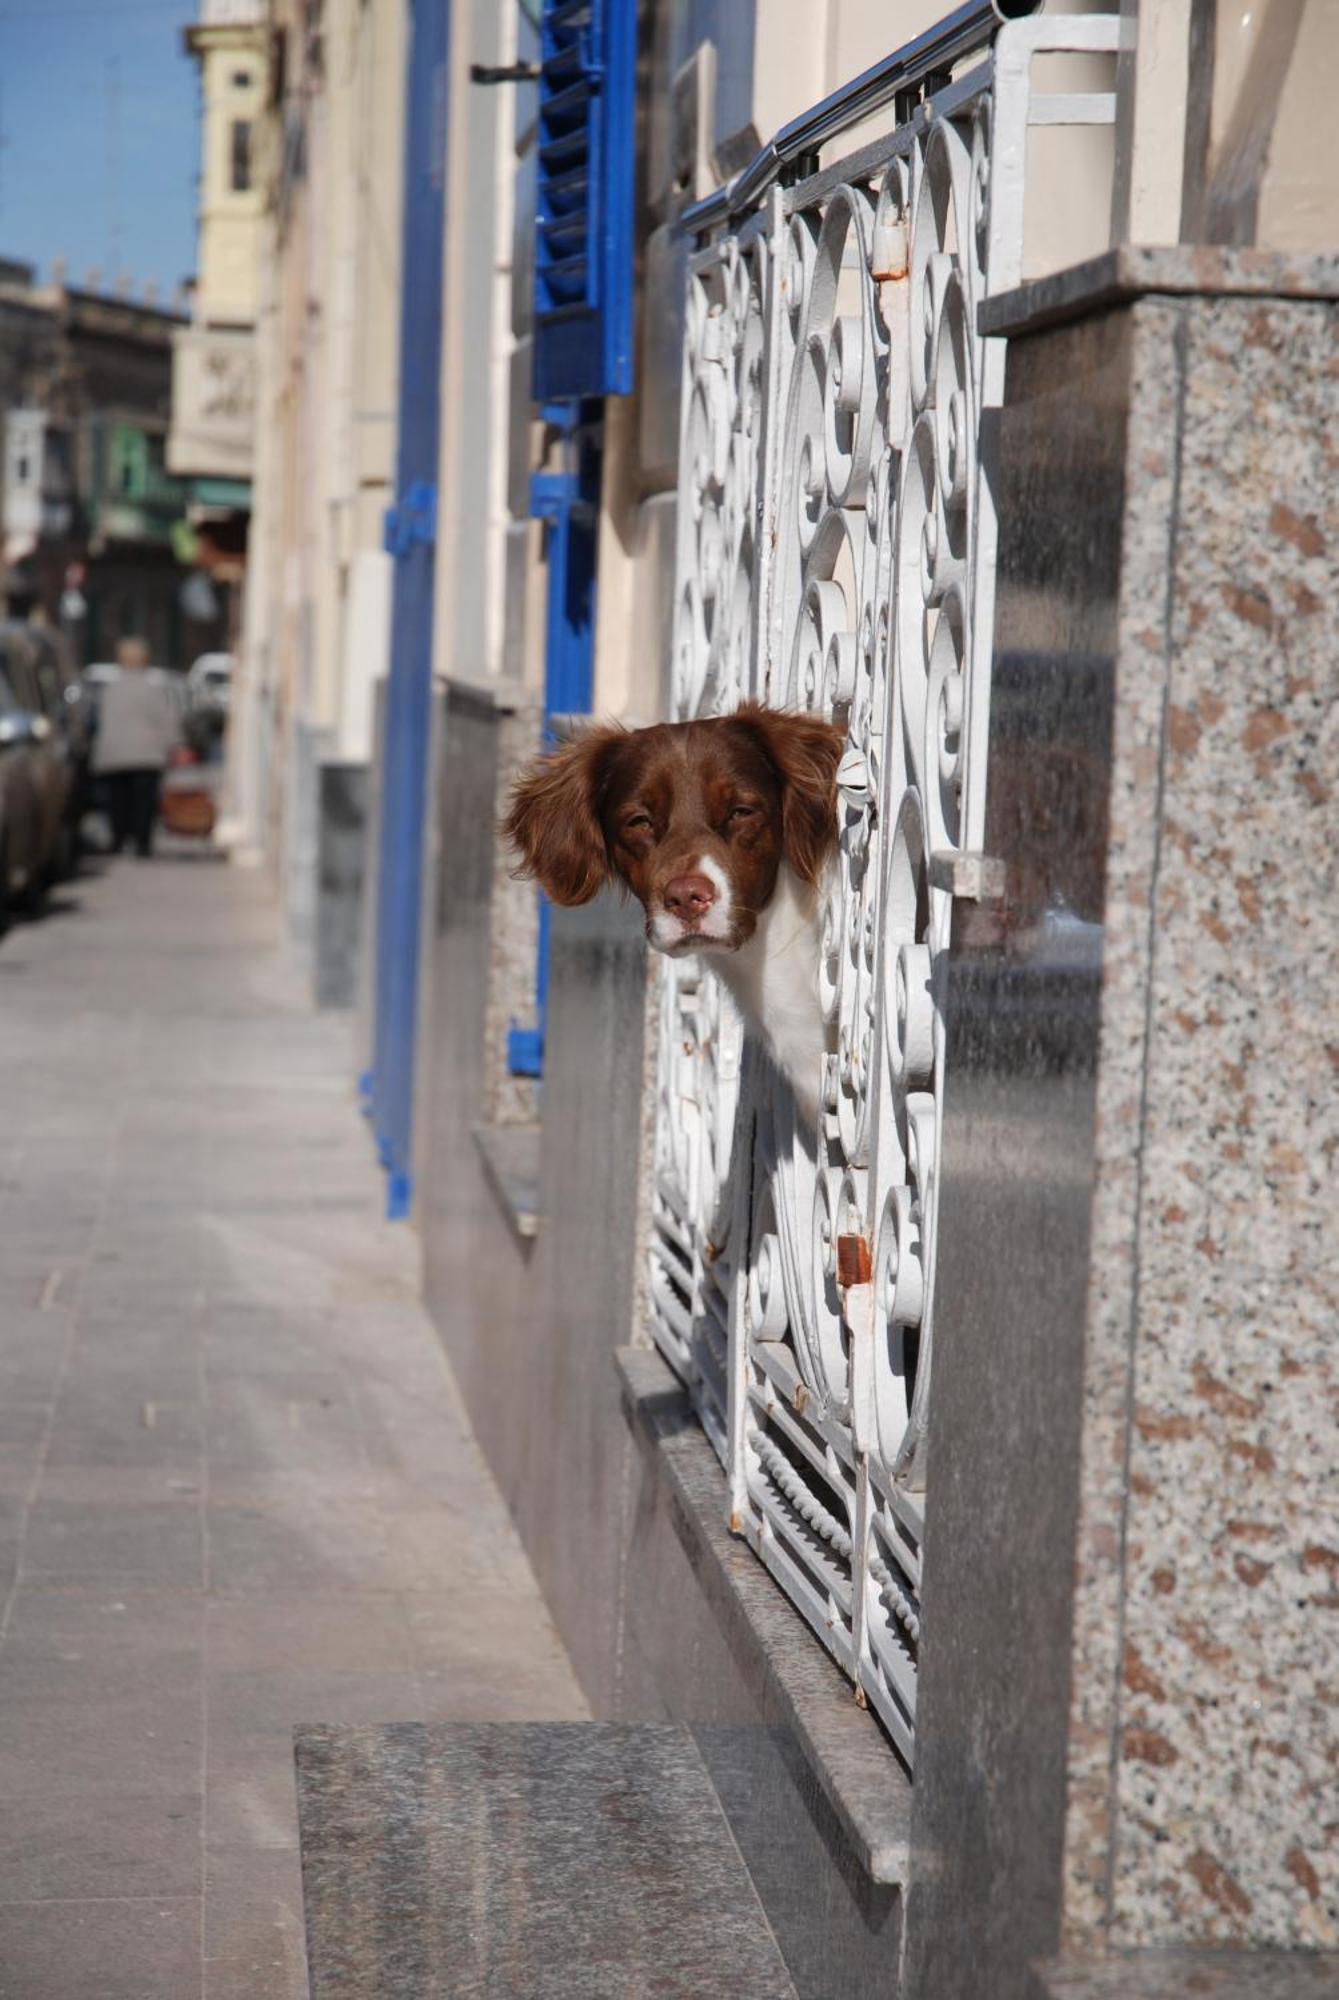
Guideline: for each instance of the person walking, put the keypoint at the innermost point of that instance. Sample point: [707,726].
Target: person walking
[137,729]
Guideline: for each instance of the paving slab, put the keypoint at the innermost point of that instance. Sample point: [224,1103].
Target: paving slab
[459,1862]
[238,1490]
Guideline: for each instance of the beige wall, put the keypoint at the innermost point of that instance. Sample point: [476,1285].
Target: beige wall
[317,625]
[477,344]
[328,385]
[1273,166]
[490,575]
[1299,199]
[232,85]
[1225,135]
[355,225]
[246,799]
[371,288]
[798,50]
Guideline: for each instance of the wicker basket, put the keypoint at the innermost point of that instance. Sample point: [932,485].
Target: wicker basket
[185,805]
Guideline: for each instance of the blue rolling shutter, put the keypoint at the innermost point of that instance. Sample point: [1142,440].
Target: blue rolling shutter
[583,224]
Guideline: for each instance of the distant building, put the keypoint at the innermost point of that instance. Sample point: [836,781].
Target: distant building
[229,43]
[91,518]
[213,359]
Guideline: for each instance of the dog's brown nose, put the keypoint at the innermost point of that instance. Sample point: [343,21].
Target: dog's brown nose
[689,897]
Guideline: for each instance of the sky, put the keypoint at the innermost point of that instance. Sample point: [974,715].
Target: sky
[99,146]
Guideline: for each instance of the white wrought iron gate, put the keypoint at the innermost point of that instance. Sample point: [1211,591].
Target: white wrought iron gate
[836,551]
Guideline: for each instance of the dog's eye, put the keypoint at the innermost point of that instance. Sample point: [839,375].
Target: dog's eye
[742,812]
[636,823]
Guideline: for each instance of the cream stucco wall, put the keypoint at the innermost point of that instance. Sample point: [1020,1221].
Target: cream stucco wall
[1225,134]
[476,349]
[767,60]
[317,625]
[795,52]
[232,87]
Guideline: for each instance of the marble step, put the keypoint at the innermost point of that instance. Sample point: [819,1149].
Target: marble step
[523,1861]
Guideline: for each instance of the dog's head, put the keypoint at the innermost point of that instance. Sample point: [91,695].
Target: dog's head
[696,818]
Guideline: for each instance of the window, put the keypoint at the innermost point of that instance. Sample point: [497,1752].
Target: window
[129,462]
[583,221]
[241,79]
[241,155]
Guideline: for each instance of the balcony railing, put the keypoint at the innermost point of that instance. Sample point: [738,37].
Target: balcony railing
[837,552]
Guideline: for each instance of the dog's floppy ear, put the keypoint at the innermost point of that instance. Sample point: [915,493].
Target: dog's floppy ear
[553,820]
[805,752]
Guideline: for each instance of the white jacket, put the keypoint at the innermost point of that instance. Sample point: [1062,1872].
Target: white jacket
[137,724]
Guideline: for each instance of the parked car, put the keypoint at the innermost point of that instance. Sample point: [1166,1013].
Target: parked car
[210,686]
[39,755]
[210,681]
[64,706]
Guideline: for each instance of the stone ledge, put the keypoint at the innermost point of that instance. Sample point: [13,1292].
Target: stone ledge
[510,1156]
[495,696]
[852,1761]
[1132,270]
[1186,1974]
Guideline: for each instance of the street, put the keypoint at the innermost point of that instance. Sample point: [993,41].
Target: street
[237,1487]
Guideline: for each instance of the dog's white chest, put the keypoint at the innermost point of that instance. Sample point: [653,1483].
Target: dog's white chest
[774,981]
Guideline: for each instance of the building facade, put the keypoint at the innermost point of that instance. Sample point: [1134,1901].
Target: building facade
[213,388]
[327,156]
[92,513]
[955,1475]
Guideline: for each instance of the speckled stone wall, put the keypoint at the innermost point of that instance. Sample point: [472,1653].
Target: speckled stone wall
[1149,338]
[1132,1509]
[513,932]
[1202,1801]
[341,874]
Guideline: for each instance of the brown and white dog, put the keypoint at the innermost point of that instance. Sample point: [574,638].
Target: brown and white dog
[722,829]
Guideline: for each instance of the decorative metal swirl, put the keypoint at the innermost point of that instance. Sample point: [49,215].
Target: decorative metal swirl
[806,1505]
[836,552]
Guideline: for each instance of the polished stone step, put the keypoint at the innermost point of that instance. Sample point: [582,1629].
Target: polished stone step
[523,1861]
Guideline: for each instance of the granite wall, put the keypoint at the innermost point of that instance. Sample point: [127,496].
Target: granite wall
[1126,1744]
[364,999]
[300,864]
[342,835]
[1211,1375]
[478,1276]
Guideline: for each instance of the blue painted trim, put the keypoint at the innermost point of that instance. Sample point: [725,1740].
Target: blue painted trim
[399,1197]
[568,502]
[409,529]
[525,1051]
[413,521]
[584,200]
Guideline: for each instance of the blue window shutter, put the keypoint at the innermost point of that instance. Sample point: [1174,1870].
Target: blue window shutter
[583,224]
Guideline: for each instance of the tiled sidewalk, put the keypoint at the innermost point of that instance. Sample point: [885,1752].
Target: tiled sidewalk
[237,1487]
